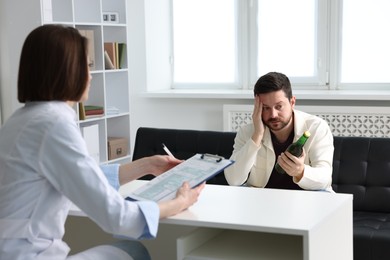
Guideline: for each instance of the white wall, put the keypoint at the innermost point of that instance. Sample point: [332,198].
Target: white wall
[13,31]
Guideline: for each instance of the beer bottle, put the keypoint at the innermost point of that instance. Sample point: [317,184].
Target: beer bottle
[295,149]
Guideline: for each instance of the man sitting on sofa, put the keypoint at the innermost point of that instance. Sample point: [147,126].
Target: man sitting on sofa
[276,124]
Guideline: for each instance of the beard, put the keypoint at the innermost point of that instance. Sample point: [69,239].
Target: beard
[276,124]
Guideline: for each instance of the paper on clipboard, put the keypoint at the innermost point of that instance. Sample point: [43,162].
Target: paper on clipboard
[195,170]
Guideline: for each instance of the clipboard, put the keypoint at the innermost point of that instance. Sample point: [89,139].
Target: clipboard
[195,170]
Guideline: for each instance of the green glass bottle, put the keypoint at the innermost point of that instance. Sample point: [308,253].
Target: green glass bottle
[295,149]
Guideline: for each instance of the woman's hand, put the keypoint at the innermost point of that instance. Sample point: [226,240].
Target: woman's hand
[161,163]
[185,197]
[154,165]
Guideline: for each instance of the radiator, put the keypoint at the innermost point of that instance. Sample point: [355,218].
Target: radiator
[343,120]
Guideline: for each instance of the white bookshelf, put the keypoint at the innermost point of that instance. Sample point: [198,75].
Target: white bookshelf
[109,88]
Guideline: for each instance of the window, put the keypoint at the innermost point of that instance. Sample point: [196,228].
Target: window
[205,42]
[287,39]
[365,45]
[319,44]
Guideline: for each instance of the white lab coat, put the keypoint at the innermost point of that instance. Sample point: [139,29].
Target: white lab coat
[44,166]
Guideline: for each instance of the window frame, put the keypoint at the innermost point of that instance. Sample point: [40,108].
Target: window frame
[246,56]
[328,47]
[335,53]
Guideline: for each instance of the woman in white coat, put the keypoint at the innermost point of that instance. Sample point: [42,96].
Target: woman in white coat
[45,166]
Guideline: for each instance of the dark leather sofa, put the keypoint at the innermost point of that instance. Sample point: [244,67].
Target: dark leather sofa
[361,166]
[183,144]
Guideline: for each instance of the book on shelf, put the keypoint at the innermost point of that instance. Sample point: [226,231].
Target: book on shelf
[93,116]
[108,65]
[93,108]
[109,48]
[89,34]
[81,111]
[94,112]
[122,55]
[114,55]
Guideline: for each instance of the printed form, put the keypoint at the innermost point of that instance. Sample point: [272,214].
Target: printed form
[194,170]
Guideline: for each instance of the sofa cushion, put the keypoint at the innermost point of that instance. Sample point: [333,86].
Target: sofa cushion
[371,235]
[361,166]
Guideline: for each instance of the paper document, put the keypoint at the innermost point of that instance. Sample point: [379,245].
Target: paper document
[195,170]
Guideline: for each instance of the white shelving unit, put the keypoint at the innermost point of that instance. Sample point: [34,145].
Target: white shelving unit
[109,88]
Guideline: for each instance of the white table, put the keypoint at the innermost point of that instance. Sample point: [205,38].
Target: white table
[251,223]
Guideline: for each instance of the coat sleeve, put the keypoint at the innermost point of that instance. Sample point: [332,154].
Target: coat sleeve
[319,159]
[66,164]
[244,154]
[111,171]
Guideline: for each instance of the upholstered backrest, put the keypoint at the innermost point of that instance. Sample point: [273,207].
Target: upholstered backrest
[184,144]
[361,166]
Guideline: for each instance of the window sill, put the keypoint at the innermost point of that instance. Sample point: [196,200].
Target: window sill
[371,95]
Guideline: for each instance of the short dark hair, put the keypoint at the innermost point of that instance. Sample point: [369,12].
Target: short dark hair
[53,65]
[273,81]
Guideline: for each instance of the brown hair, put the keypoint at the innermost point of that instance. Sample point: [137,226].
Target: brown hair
[273,81]
[53,65]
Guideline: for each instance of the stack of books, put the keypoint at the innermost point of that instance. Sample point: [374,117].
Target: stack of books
[90,111]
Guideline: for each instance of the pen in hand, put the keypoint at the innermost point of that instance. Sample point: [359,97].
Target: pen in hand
[167,151]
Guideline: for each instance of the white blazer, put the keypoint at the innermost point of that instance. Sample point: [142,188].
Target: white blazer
[254,164]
